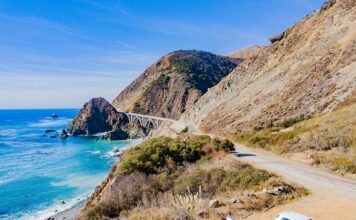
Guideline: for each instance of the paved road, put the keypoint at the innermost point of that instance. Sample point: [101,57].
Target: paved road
[333,197]
[307,176]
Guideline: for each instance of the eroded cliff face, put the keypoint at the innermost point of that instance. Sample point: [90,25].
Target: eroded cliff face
[308,69]
[174,83]
[99,116]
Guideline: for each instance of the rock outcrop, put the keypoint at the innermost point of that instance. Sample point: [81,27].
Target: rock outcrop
[97,116]
[174,83]
[64,133]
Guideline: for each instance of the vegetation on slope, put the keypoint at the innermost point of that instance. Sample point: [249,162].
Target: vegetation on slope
[201,70]
[328,140]
[166,178]
[174,83]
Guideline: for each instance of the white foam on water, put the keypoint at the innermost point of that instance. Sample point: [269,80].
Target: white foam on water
[8,132]
[95,152]
[82,181]
[52,210]
[51,122]
[21,143]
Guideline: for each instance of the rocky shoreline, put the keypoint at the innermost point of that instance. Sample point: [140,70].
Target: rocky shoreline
[69,214]
[98,116]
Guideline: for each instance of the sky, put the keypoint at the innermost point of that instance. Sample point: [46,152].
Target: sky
[61,53]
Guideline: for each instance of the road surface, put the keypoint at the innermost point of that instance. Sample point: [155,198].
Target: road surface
[333,197]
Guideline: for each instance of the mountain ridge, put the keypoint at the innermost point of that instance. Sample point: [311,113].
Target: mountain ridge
[175,82]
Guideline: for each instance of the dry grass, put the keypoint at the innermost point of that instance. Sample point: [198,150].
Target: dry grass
[329,140]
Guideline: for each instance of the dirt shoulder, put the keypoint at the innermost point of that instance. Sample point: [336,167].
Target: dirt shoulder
[333,197]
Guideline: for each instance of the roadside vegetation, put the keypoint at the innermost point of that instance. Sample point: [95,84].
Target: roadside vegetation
[328,140]
[186,178]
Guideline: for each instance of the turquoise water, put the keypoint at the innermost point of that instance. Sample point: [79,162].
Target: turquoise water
[37,172]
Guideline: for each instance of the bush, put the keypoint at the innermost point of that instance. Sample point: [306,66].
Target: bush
[155,154]
[223,145]
[208,180]
[185,130]
[345,165]
[246,177]
[291,121]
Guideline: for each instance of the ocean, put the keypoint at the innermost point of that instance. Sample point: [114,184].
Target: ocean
[40,175]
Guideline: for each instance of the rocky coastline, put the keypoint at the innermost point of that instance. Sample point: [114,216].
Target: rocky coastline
[98,116]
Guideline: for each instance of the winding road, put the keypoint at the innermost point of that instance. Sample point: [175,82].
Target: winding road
[332,197]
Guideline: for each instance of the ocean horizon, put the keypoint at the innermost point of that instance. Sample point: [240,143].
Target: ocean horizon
[42,174]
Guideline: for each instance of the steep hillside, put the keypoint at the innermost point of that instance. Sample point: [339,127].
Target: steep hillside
[174,83]
[309,69]
[245,53]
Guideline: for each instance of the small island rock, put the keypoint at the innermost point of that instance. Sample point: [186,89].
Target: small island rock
[64,133]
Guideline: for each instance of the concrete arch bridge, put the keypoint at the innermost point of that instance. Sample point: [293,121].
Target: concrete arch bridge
[147,121]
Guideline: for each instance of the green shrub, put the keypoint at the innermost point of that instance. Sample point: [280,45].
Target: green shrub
[246,177]
[223,145]
[153,155]
[185,130]
[291,121]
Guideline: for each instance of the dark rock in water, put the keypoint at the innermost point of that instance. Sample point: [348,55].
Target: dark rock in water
[97,116]
[54,116]
[53,136]
[117,134]
[64,133]
[51,131]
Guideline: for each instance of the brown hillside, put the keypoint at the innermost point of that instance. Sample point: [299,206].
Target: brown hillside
[309,69]
[174,83]
[245,53]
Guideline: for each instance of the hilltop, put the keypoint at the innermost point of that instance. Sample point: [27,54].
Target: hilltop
[174,83]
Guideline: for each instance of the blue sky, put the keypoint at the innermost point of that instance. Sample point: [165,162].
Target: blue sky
[60,53]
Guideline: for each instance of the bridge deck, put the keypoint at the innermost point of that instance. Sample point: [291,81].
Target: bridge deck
[150,117]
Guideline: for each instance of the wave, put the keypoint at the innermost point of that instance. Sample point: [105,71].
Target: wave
[12,143]
[82,181]
[54,209]
[50,122]
[8,132]
[95,152]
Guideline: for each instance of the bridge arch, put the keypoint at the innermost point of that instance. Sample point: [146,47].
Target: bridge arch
[146,121]
[137,121]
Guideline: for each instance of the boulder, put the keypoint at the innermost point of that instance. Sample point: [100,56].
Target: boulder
[97,116]
[64,133]
[54,116]
[277,38]
[214,203]
[117,134]
[235,200]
